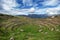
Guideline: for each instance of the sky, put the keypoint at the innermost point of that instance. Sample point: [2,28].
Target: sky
[25,7]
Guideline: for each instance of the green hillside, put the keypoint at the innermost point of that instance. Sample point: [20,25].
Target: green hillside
[24,28]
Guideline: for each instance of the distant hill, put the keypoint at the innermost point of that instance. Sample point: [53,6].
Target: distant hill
[38,15]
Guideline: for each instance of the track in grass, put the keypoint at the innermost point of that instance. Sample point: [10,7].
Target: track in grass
[21,28]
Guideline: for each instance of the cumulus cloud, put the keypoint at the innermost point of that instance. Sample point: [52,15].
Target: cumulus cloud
[53,11]
[51,3]
[9,7]
[8,4]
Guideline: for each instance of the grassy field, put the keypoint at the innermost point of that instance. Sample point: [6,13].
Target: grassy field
[24,28]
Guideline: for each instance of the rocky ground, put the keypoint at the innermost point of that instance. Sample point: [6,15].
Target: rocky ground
[25,28]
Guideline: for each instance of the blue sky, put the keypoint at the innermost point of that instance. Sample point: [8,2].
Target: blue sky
[25,7]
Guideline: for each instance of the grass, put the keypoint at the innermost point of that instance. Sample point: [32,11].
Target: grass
[23,28]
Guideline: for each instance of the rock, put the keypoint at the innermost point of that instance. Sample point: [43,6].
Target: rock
[52,29]
[53,17]
[46,32]
[57,29]
[12,38]
[40,30]
[21,30]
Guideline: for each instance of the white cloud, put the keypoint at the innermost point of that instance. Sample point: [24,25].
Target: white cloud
[32,10]
[53,11]
[8,6]
[48,11]
[5,7]
[51,3]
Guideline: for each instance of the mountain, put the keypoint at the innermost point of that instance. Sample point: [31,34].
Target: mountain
[37,15]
